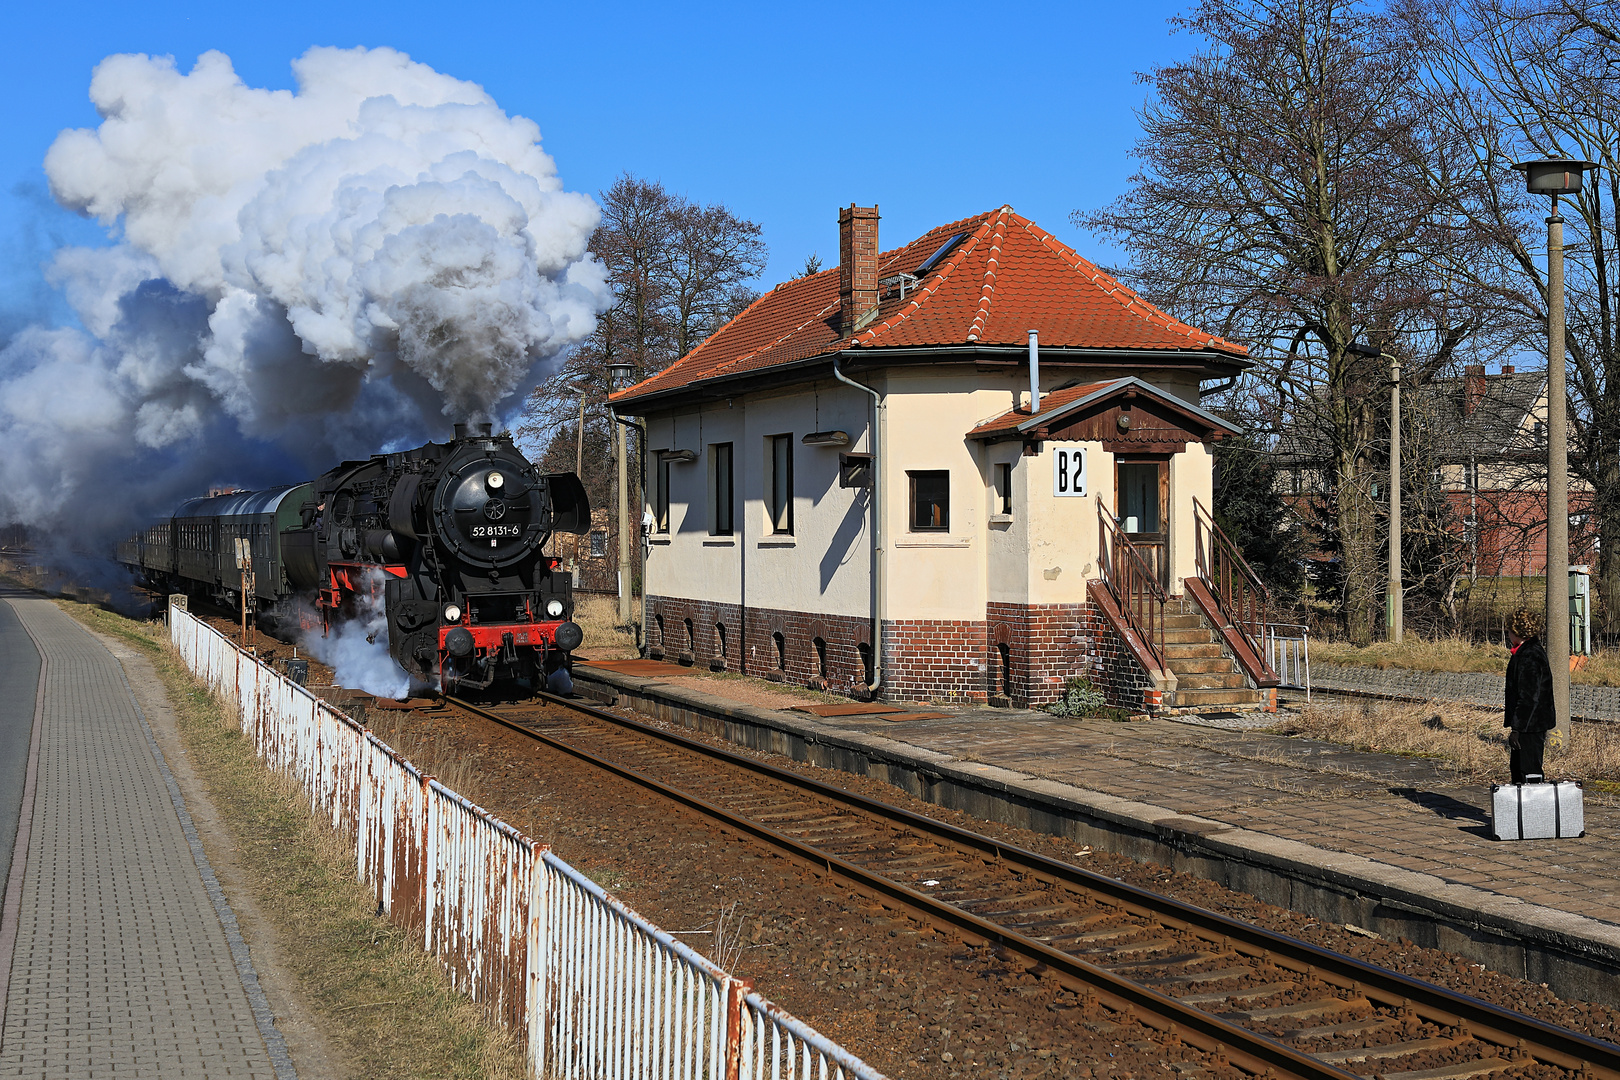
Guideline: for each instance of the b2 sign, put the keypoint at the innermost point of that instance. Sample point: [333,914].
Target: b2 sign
[1068,470]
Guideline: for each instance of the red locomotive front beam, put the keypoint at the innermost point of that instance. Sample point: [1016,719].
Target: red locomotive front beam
[489,636]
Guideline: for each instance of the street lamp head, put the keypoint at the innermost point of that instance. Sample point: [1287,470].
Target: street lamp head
[1356,348]
[1554,176]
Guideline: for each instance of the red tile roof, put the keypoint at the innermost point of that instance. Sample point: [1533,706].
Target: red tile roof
[1007,277]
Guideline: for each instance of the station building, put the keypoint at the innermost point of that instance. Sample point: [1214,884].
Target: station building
[850,486]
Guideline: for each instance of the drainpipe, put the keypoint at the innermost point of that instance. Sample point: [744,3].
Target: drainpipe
[879,414]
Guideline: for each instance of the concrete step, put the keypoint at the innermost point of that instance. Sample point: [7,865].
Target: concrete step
[1182,650]
[1227,680]
[1182,622]
[1200,665]
[1197,699]
[1197,636]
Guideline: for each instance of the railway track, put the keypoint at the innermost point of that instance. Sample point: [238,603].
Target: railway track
[1262,1001]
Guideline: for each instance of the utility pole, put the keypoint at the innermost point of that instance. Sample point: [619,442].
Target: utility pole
[1394,605]
[1395,600]
[618,376]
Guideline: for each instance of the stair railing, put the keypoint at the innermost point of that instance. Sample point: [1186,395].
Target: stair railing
[1130,580]
[1242,597]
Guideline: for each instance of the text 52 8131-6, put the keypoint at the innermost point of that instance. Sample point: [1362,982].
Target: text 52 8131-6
[494,531]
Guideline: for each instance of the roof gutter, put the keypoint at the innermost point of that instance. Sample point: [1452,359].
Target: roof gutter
[879,417]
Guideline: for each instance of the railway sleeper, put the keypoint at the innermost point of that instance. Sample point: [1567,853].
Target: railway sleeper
[1388,1050]
[1460,1071]
[1195,977]
[1319,1007]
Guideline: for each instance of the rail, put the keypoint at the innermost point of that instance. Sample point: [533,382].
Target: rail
[589,986]
[1288,652]
[1130,580]
[1242,597]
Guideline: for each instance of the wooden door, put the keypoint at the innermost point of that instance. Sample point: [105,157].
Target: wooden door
[1142,507]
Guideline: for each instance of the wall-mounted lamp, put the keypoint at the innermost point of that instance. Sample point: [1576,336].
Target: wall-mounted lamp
[678,455]
[826,438]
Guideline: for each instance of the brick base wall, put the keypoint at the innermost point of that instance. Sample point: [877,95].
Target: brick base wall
[767,643]
[1020,653]
[935,660]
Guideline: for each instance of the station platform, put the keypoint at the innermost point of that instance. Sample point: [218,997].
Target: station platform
[124,956]
[1392,845]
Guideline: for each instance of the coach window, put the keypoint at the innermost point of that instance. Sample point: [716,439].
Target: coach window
[779,499]
[720,489]
[930,501]
[661,496]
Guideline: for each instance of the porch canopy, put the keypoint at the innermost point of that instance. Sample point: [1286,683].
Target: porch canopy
[1127,416]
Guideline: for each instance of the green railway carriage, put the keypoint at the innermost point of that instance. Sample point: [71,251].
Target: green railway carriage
[197,546]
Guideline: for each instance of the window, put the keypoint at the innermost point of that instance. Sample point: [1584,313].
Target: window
[1004,488]
[720,488]
[598,545]
[930,501]
[661,496]
[779,502]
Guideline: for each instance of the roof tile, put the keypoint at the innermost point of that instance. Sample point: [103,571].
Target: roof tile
[1007,277]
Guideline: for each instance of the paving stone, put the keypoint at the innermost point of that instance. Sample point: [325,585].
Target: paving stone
[121,965]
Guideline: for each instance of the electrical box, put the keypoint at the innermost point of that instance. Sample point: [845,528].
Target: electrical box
[854,470]
[1580,610]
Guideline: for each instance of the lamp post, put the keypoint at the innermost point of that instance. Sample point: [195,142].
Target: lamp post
[1555,177]
[618,379]
[1394,601]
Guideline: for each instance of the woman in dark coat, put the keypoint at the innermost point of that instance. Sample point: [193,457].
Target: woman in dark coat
[1529,714]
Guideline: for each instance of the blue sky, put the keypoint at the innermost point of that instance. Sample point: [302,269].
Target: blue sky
[784,111]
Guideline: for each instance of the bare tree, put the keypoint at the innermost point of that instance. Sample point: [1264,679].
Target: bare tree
[679,271]
[1294,197]
[1517,79]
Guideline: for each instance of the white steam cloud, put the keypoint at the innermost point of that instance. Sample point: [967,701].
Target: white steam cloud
[357,649]
[296,277]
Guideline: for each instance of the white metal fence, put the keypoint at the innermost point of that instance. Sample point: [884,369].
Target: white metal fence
[1288,646]
[592,988]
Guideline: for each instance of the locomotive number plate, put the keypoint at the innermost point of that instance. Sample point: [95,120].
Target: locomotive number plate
[493,531]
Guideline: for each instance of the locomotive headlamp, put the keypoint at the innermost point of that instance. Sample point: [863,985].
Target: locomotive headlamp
[554,608]
[452,613]
[495,481]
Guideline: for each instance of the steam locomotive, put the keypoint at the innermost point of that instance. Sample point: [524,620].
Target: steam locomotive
[446,537]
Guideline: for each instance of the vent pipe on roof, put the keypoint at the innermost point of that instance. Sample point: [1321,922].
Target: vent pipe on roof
[1034,372]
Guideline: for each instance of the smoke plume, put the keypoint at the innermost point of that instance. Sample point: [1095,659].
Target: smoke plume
[293,278]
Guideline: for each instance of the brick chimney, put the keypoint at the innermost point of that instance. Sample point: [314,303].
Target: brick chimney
[1473,387]
[857,265]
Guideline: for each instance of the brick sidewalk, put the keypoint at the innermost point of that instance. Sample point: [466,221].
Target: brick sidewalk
[122,964]
[1404,812]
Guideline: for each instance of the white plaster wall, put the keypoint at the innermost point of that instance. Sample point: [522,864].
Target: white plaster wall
[1063,531]
[1192,476]
[824,565]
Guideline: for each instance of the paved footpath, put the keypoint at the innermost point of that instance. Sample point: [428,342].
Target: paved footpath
[127,960]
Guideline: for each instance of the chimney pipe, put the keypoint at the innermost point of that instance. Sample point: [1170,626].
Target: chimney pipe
[1034,372]
[857,265]
[461,431]
[1473,387]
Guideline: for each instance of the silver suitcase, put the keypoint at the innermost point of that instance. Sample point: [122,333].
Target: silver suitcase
[1537,811]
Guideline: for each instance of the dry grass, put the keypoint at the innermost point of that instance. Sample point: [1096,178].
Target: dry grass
[1467,741]
[1452,654]
[382,1001]
[1415,653]
[605,638]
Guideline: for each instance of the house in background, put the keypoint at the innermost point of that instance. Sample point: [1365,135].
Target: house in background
[1485,438]
[852,487]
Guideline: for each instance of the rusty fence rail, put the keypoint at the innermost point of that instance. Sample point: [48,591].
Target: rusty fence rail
[591,988]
